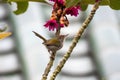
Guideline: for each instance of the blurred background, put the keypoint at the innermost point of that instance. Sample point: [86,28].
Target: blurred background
[96,56]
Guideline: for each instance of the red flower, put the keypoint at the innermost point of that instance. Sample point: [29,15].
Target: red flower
[60,2]
[73,11]
[51,24]
[61,25]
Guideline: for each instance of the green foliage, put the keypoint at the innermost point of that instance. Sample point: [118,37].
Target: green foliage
[22,5]
[114,4]
[26,0]
[84,3]
[72,2]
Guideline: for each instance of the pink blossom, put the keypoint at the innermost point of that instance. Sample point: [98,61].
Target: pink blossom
[51,24]
[60,2]
[73,11]
[61,25]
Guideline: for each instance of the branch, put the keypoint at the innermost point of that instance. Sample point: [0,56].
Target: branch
[75,41]
[49,66]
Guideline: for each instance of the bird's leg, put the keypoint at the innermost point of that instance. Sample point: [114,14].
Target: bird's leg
[52,54]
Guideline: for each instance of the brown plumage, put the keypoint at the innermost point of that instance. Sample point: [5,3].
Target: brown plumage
[53,44]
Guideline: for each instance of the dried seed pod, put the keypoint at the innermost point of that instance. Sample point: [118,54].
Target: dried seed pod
[53,17]
[59,12]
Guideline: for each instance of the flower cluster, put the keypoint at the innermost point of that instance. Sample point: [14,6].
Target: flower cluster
[58,18]
[73,11]
[51,24]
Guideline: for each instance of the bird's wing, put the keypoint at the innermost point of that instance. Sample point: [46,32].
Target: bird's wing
[53,42]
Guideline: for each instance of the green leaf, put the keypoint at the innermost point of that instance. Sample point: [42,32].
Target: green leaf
[104,2]
[43,1]
[70,3]
[83,5]
[3,1]
[27,0]
[21,7]
[115,4]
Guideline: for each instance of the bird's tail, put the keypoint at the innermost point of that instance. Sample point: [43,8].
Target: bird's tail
[38,35]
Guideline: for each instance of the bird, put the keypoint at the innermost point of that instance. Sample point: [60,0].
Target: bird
[53,44]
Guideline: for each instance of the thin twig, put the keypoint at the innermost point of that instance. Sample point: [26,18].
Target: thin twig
[49,66]
[75,41]
[58,31]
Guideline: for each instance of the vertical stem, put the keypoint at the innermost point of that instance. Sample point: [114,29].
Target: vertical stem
[75,41]
[58,31]
[49,66]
